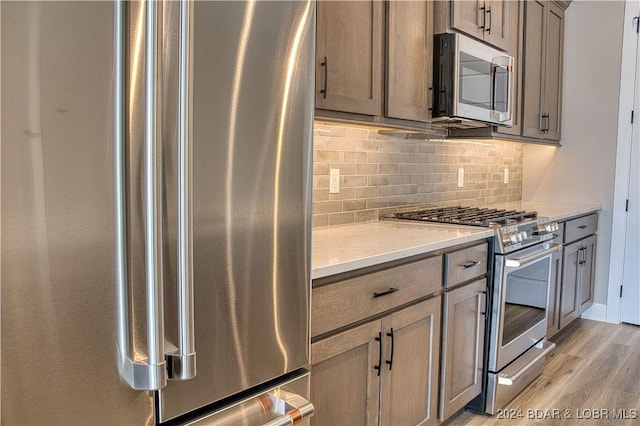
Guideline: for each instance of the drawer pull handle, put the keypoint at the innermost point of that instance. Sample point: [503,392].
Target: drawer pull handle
[384,293]
[582,227]
[471,264]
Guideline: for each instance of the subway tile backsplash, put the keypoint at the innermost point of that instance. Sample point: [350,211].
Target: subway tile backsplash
[380,174]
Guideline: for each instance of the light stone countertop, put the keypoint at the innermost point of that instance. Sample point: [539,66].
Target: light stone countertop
[552,211]
[343,248]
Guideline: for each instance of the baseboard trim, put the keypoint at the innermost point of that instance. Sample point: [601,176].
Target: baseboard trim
[597,312]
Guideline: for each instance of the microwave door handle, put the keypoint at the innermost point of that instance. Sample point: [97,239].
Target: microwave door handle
[505,62]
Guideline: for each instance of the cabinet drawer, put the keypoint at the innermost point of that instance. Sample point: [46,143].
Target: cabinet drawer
[338,304]
[581,227]
[465,264]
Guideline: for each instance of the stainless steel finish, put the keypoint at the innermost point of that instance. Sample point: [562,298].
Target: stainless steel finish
[528,367]
[489,54]
[89,194]
[58,239]
[530,255]
[286,404]
[525,362]
[500,352]
[182,363]
[153,191]
[150,375]
[252,131]
[506,62]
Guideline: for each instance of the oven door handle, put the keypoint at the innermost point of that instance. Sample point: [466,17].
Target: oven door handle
[520,262]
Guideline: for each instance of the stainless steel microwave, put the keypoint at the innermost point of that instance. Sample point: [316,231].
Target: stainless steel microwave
[472,82]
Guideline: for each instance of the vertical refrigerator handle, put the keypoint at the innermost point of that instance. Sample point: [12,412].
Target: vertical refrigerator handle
[152,374]
[181,364]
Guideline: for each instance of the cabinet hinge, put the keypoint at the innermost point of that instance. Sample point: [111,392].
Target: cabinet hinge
[626,207]
[620,291]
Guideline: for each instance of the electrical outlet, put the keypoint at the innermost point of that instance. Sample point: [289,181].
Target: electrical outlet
[506,175]
[460,177]
[334,181]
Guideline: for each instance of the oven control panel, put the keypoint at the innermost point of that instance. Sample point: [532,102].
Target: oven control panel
[514,237]
[546,228]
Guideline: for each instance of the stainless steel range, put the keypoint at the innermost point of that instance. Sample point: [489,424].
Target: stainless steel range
[518,296]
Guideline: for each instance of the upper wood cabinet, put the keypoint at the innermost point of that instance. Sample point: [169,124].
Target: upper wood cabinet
[351,70]
[515,43]
[409,60]
[487,20]
[349,44]
[542,85]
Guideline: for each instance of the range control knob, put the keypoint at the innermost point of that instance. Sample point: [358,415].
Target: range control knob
[541,229]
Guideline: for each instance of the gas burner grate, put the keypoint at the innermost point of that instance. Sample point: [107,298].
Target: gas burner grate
[473,216]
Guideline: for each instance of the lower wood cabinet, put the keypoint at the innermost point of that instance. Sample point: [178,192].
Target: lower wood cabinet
[577,279]
[382,372]
[462,346]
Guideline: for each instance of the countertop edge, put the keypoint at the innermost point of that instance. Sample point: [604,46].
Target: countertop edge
[326,271]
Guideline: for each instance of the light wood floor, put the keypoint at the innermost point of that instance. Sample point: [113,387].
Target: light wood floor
[595,367]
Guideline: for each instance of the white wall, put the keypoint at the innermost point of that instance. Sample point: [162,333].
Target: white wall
[582,170]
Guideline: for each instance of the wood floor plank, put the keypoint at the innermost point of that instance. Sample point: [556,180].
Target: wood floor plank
[627,379]
[595,368]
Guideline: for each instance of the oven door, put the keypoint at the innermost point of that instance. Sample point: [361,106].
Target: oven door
[520,302]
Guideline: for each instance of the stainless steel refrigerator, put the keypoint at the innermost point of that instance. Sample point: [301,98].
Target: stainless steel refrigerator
[155,216]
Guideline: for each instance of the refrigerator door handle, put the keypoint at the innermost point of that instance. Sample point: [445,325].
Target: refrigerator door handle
[181,364]
[149,374]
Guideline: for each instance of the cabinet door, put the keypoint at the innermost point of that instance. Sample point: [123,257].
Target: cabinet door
[498,21]
[410,365]
[349,56]
[570,294]
[462,346]
[533,65]
[409,60]
[587,272]
[344,383]
[468,17]
[553,305]
[553,70]
[515,11]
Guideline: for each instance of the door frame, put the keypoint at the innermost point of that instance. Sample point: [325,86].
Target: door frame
[630,47]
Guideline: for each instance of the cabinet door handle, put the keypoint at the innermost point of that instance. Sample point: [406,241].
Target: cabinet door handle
[390,361]
[384,293]
[379,340]
[471,264]
[488,28]
[541,126]
[326,73]
[582,227]
[546,127]
[484,18]
[430,99]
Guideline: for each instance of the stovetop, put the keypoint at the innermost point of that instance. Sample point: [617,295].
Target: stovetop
[472,216]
